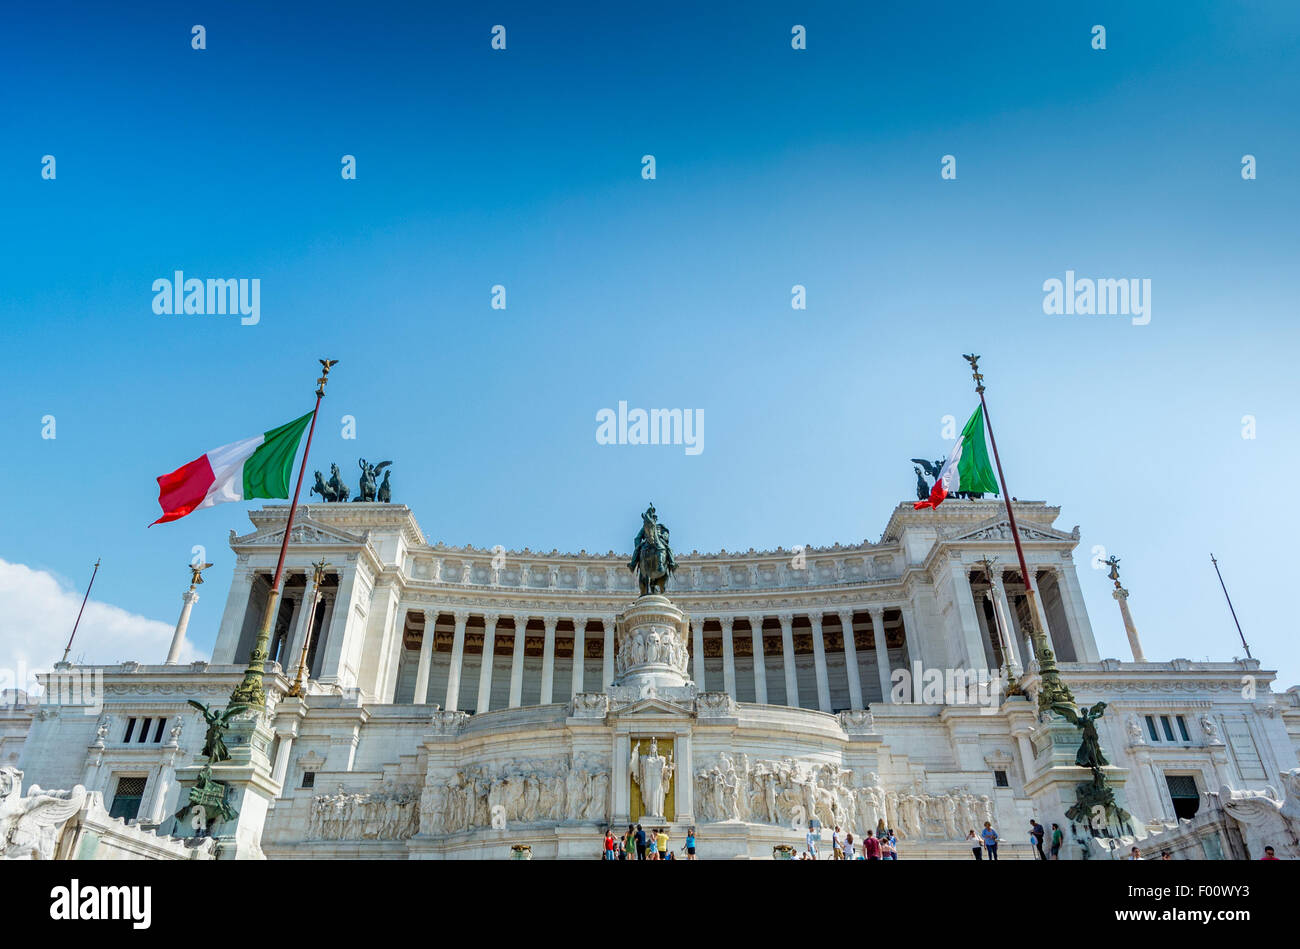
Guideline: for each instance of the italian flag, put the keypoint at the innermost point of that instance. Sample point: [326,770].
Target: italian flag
[257,467]
[967,468]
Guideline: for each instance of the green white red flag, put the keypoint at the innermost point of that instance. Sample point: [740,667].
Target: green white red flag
[967,467]
[256,467]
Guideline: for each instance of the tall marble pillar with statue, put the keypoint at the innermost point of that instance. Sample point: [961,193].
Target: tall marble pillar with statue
[651,657]
[652,661]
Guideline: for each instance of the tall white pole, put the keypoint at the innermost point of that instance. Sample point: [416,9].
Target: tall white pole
[190,597]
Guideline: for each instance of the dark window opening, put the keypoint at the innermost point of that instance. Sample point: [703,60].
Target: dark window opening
[157,735]
[309,779]
[130,727]
[1182,728]
[1164,723]
[1000,779]
[127,797]
[1151,728]
[1186,798]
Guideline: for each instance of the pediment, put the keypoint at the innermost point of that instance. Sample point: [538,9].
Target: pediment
[999,528]
[306,533]
[653,708]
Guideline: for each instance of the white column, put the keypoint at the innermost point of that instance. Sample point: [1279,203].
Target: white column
[1135,644]
[517,662]
[310,595]
[548,660]
[760,666]
[684,798]
[622,785]
[188,598]
[485,668]
[819,657]
[579,652]
[160,785]
[281,767]
[987,635]
[911,635]
[1005,636]
[851,660]
[284,658]
[1042,611]
[395,626]
[697,644]
[607,663]
[967,621]
[331,667]
[883,668]
[787,655]
[232,619]
[457,659]
[728,656]
[426,657]
[1085,643]
[1019,655]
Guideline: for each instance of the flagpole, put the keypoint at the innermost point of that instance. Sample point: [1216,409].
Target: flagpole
[1244,644]
[250,691]
[1051,689]
[67,649]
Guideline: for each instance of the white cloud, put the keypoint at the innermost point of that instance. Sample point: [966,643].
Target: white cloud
[36,616]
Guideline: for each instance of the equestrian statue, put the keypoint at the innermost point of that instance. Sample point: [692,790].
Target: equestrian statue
[652,556]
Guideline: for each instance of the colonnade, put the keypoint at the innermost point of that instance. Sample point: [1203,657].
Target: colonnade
[584,627]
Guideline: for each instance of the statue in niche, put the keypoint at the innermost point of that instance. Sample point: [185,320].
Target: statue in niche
[652,773]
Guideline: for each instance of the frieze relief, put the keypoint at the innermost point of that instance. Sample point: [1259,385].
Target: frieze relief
[497,796]
[448,722]
[520,571]
[589,705]
[715,705]
[858,721]
[793,792]
[653,644]
[389,814]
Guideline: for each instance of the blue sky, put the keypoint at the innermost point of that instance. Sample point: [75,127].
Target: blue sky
[774,168]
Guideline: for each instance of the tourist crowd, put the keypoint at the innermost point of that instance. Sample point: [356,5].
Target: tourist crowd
[640,844]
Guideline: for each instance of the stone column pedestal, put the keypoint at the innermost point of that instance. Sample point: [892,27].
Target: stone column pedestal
[1054,790]
[250,789]
[651,654]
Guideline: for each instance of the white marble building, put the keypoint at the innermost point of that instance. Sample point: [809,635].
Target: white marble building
[463,700]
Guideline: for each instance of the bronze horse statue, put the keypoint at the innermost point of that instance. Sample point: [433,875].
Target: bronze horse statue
[652,556]
[332,490]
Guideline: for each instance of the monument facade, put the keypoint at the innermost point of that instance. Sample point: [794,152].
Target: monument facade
[457,701]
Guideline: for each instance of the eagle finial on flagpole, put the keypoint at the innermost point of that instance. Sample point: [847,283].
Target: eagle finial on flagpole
[974,360]
[326,366]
